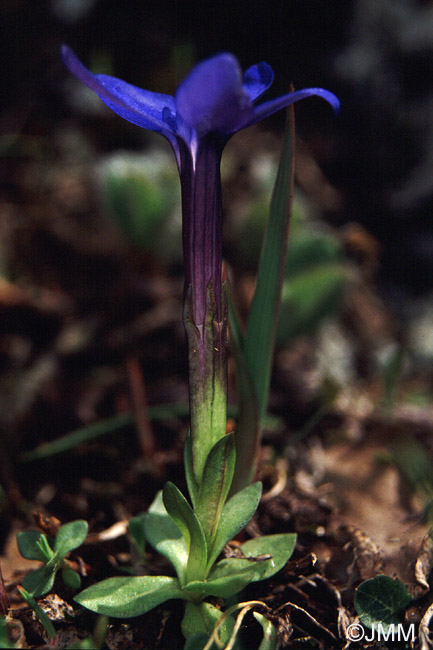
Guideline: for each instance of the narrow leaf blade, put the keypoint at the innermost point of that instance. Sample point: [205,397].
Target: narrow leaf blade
[189,471]
[183,516]
[263,318]
[236,513]
[248,426]
[217,478]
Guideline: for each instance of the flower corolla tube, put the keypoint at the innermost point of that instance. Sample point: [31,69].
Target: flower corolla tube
[214,101]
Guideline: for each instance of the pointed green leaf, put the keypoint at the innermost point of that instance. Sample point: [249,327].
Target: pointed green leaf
[236,513]
[228,577]
[217,478]
[248,426]
[263,317]
[183,516]
[131,596]
[70,536]
[280,547]
[165,537]
[189,470]
[41,581]
[200,620]
[28,545]
[270,637]
[31,602]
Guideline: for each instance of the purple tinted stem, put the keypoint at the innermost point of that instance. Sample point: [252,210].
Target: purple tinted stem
[205,315]
[202,224]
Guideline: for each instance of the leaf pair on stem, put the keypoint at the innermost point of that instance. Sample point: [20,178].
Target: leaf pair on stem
[192,537]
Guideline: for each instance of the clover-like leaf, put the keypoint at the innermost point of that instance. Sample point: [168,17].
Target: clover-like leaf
[236,513]
[165,537]
[70,536]
[381,600]
[215,485]
[125,597]
[183,516]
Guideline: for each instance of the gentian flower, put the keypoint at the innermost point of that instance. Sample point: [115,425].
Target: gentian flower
[214,102]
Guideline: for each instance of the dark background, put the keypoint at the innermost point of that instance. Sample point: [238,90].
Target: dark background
[377,56]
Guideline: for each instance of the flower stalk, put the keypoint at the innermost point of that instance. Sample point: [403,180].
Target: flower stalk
[214,102]
[205,310]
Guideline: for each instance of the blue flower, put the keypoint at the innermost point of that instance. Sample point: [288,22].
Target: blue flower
[211,104]
[214,98]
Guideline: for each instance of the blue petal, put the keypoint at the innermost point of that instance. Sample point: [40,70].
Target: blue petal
[212,98]
[152,111]
[274,105]
[257,79]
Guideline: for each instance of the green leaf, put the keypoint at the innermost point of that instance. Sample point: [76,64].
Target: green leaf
[48,626]
[231,575]
[75,438]
[263,317]
[227,578]
[70,536]
[183,516]
[28,545]
[215,485]
[196,642]
[165,537]
[136,530]
[199,622]
[280,546]
[236,513]
[71,578]
[189,470]
[248,426]
[381,600]
[270,637]
[255,358]
[41,581]
[131,596]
